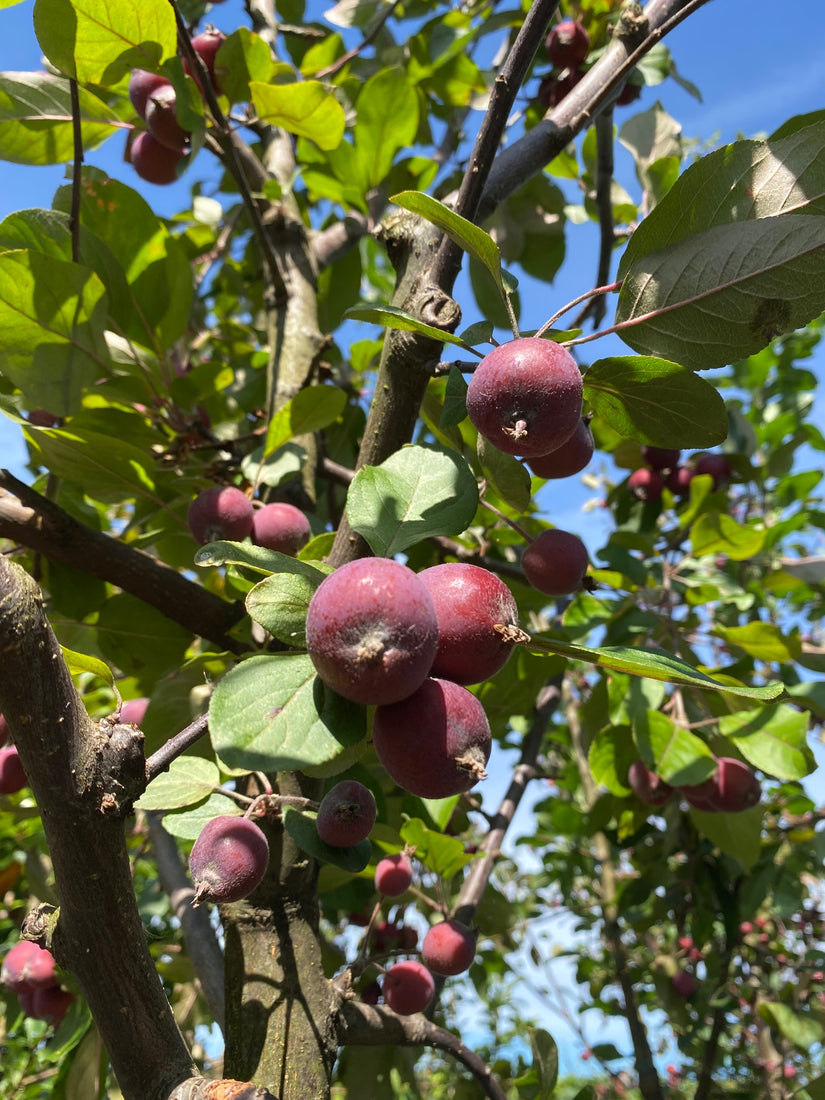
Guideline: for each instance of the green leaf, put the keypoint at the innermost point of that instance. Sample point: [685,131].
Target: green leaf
[747,179]
[280,604]
[243,58]
[188,781]
[444,855]
[611,753]
[272,713]
[726,292]
[810,695]
[474,241]
[765,641]
[81,662]
[308,109]
[100,41]
[312,409]
[386,121]
[139,639]
[509,477]
[717,533]
[188,824]
[655,401]
[52,317]
[677,755]
[391,317]
[118,470]
[738,835]
[257,558]
[802,1031]
[655,663]
[773,739]
[302,828]
[36,119]
[417,493]
[455,400]
[545,1060]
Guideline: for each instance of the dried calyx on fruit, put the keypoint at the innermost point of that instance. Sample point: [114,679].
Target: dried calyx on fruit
[346,814]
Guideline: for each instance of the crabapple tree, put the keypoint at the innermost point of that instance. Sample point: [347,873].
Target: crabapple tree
[374,611]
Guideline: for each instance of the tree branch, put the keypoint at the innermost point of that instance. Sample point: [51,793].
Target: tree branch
[29,518]
[83,776]
[365,1025]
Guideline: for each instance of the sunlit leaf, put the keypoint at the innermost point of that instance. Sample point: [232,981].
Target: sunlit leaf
[308,109]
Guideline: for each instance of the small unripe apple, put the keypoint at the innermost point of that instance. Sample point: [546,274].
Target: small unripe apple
[12,776]
[647,786]
[449,948]
[660,458]
[346,814]
[143,84]
[525,397]
[555,563]
[716,465]
[162,119]
[51,1004]
[408,987]
[393,875]
[222,512]
[469,603]
[280,526]
[228,860]
[152,161]
[27,966]
[567,44]
[206,46]
[678,481]
[646,484]
[372,631]
[737,788]
[568,459]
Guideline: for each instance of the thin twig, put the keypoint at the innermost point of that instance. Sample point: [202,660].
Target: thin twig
[159,761]
[596,306]
[77,135]
[368,39]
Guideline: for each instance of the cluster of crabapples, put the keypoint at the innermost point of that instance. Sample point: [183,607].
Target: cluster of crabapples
[567,47]
[664,469]
[31,972]
[732,788]
[156,151]
[226,512]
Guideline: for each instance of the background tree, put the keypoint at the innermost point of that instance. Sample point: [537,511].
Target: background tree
[661,705]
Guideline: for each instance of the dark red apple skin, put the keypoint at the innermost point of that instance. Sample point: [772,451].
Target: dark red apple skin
[448,948]
[221,512]
[556,563]
[737,788]
[4,731]
[408,987]
[162,120]
[228,860]
[372,632]
[684,984]
[660,458]
[469,602]
[646,484]
[552,91]
[679,479]
[141,85]
[394,875]
[13,777]
[567,44]
[717,466]
[152,161]
[51,1004]
[525,397]
[280,526]
[570,458]
[647,786]
[206,46]
[346,814]
[435,743]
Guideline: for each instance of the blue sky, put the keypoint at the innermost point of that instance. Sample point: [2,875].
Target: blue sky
[756,64]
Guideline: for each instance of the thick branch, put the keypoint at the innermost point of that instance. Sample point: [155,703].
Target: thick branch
[72,766]
[364,1025]
[198,933]
[29,518]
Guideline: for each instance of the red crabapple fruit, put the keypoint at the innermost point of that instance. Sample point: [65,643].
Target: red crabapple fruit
[679,479]
[647,786]
[552,90]
[133,710]
[222,512]
[346,814]
[684,984]
[4,731]
[51,1004]
[448,948]
[646,484]
[142,85]
[372,632]
[162,119]
[408,987]
[660,458]
[228,859]
[393,875]
[568,459]
[12,776]
[469,603]
[280,526]
[436,742]
[28,967]
[567,44]
[555,563]
[152,161]
[737,788]
[525,397]
[206,46]
[716,465]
